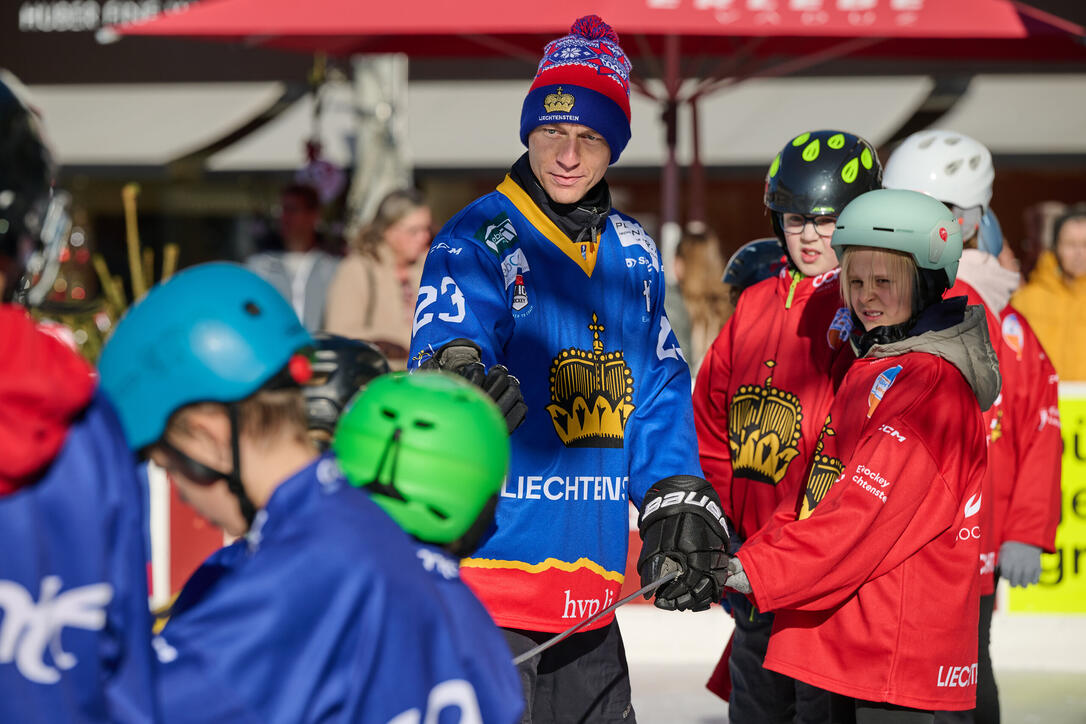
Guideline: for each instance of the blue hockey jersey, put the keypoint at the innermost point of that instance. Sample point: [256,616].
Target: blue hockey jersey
[324,612]
[607,387]
[74,624]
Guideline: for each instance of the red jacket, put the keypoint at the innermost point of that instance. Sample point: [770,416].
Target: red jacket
[1027,508]
[1001,463]
[763,391]
[872,586]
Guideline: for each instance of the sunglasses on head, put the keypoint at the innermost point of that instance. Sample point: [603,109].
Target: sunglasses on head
[193,470]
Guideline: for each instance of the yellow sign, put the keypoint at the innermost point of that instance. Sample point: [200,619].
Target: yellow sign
[1063,574]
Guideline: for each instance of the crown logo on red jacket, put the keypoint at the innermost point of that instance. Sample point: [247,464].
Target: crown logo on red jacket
[763,431]
[825,471]
[591,394]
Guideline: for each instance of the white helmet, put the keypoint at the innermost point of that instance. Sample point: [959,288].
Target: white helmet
[947,165]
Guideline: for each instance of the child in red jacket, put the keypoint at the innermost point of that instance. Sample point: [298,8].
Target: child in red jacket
[765,386]
[874,587]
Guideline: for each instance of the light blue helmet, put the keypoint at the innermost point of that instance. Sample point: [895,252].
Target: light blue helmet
[212,333]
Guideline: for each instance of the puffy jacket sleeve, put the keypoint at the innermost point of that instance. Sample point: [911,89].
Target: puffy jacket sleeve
[462,294]
[889,501]
[661,432]
[1034,510]
[711,413]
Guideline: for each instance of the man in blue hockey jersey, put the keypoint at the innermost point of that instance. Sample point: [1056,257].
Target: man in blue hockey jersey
[74,625]
[544,277]
[321,611]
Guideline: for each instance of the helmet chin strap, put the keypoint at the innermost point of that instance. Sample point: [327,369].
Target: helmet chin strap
[233,480]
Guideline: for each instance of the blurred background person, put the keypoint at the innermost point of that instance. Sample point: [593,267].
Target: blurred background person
[341,367]
[373,294]
[1054,299]
[301,270]
[753,262]
[699,267]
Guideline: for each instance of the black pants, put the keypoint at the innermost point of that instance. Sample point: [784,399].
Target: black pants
[761,696]
[584,678]
[846,710]
[987,711]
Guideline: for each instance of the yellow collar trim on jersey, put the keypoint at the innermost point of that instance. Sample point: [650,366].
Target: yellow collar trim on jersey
[535,216]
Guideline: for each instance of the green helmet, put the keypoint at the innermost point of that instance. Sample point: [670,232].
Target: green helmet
[431,449]
[906,221]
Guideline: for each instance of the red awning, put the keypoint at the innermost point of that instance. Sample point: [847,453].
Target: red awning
[982,29]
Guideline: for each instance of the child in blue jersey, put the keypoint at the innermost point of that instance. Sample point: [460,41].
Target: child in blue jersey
[435,465]
[74,625]
[321,611]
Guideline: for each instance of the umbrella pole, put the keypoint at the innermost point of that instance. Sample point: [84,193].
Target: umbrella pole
[670,231]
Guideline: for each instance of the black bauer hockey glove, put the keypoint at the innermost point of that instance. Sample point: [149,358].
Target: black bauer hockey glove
[683,525]
[463,357]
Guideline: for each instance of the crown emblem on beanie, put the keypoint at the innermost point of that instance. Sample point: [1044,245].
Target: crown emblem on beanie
[558,102]
[591,394]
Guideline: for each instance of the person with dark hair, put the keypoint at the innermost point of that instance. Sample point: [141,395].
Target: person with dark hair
[372,296]
[75,642]
[765,386]
[545,277]
[1054,299]
[301,271]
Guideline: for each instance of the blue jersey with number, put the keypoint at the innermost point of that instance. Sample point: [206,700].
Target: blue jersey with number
[327,612]
[582,326]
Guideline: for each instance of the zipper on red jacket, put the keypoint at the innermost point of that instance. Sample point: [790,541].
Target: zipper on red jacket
[796,279]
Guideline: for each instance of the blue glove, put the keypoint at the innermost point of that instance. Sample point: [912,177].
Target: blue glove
[1020,563]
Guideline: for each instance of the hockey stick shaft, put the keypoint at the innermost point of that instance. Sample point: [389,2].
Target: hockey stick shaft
[581,624]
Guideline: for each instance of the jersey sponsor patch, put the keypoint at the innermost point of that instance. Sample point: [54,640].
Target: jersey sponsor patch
[883,382]
[630,233]
[839,328]
[498,233]
[1014,335]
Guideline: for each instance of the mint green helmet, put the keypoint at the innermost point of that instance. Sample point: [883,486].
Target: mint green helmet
[906,221]
[431,449]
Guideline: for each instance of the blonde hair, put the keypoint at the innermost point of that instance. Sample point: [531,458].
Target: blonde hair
[703,292]
[900,269]
[394,207]
[264,415]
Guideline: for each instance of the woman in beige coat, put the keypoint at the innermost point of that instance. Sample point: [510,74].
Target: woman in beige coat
[372,296]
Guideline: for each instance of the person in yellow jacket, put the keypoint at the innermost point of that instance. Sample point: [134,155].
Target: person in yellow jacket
[1054,300]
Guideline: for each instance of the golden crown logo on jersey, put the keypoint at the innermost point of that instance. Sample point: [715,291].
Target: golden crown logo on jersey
[591,394]
[763,430]
[558,102]
[825,471]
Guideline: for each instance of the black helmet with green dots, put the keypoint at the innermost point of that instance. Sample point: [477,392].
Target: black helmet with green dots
[906,221]
[817,173]
[432,450]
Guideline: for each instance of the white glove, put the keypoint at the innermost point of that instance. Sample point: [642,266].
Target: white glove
[1020,563]
[737,577]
